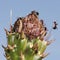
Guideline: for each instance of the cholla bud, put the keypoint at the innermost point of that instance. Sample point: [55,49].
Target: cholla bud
[26,38]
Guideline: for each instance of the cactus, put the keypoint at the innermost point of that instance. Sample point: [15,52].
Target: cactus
[26,39]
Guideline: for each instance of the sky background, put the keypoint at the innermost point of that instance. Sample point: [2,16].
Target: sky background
[49,11]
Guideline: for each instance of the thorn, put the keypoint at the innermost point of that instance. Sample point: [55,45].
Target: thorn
[44,55]
[22,56]
[7,32]
[10,16]
[3,46]
[49,42]
[48,35]
[20,26]
[23,35]
[11,28]
[10,47]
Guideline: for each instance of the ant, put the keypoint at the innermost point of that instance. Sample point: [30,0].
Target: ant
[55,25]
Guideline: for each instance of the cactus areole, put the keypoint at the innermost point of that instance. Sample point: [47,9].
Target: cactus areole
[26,39]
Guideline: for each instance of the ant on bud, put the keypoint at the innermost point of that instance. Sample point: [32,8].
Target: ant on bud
[34,12]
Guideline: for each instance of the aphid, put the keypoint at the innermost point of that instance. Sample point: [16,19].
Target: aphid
[55,25]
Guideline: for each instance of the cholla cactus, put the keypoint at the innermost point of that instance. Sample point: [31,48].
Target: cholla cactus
[26,39]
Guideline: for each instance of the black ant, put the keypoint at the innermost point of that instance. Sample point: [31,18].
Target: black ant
[55,25]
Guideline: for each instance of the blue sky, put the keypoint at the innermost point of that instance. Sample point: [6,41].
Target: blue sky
[49,11]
